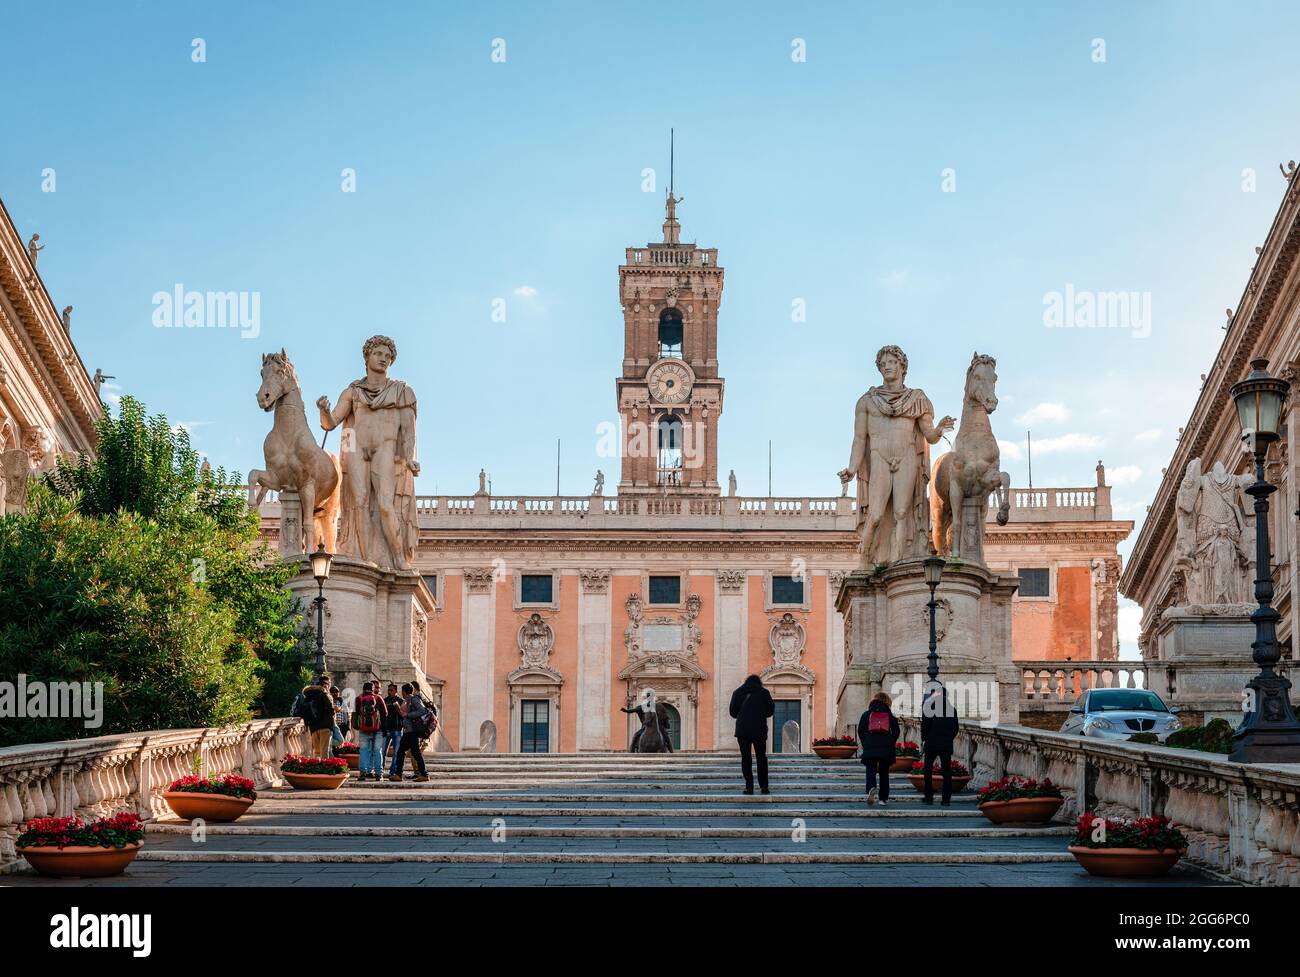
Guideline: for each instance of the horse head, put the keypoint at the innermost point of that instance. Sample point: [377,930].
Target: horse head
[981,378]
[278,379]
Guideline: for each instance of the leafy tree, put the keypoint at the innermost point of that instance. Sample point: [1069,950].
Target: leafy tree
[144,570]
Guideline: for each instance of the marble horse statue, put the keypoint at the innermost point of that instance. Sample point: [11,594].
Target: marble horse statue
[653,736]
[971,470]
[294,461]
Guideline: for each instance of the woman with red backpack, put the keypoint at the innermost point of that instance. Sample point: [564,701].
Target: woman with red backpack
[878,732]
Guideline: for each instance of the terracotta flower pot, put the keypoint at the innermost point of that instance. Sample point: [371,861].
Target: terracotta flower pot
[189,804]
[903,764]
[835,752]
[1022,810]
[936,781]
[79,861]
[353,759]
[1127,862]
[315,781]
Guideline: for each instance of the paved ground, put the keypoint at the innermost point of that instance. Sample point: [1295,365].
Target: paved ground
[609,819]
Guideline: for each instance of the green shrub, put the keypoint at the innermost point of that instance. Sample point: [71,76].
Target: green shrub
[1214,737]
[141,570]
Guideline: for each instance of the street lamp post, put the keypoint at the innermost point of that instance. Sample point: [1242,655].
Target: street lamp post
[1269,732]
[933,573]
[320,569]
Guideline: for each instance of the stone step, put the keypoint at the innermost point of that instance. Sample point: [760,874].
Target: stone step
[431,793]
[369,857]
[381,845]
[587,831]
[343,808]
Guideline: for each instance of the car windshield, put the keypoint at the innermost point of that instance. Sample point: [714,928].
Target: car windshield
[1112,700]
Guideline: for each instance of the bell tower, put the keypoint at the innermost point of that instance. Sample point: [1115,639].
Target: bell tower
[670,394]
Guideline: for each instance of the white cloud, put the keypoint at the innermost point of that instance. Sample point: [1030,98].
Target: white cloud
[1011,451]
[526,291]
[1045,413]
[1122,508]
[1123,475]
[1150,434]
[1067,442]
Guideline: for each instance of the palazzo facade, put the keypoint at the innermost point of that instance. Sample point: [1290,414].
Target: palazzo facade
[551,614]
[48,403]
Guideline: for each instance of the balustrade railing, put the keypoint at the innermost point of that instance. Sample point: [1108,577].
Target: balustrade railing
[1241,820]
[1055,681]
[102,775]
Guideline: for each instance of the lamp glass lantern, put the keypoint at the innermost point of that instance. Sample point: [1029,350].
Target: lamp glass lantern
[933,570]
[320,564]
[1259,403]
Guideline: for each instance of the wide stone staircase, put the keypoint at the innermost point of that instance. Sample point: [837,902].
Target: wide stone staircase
[609,819]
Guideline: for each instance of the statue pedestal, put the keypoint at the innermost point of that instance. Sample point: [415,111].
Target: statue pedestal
[376,623]
[1203,659]
[887,635]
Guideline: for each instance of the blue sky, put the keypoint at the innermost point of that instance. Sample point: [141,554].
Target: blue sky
[819,180]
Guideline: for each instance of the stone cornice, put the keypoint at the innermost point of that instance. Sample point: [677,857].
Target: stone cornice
[1257,316]
[59,363]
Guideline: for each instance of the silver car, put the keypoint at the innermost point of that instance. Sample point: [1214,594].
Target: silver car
[1118,714]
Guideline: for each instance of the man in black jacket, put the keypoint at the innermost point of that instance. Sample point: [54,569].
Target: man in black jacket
[319,708]
[938,730]
[751,705]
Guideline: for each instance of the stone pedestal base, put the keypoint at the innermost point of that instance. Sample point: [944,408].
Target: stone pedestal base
[887,633]
[1203,660]
[376,624]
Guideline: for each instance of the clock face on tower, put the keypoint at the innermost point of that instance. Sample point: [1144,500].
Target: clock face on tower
[670,381]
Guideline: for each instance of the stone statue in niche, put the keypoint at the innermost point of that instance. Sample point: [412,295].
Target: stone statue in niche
[1212,551]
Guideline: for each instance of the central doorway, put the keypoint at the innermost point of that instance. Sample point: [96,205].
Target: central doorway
[786,710]
[535,726]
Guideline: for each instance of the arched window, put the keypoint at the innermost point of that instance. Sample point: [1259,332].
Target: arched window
[670,333]
[670,449]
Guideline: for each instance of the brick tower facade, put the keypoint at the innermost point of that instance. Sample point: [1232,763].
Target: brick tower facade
[669,393]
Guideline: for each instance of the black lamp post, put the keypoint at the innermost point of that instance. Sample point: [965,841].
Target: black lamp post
[320,569]
[933,573]
[1269,732]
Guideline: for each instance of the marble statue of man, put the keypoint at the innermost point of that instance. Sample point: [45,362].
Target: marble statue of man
[893,430]
[377,452]
[1214,537]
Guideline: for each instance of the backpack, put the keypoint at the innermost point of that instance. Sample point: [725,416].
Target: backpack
[368,720]
[878,722]
[423,726]
[299,708]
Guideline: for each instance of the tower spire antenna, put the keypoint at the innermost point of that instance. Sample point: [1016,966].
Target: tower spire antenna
[672,230]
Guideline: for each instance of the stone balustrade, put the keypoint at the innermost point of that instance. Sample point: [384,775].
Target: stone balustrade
[1241,820]
[1057,682]
[704,512]
[103,775]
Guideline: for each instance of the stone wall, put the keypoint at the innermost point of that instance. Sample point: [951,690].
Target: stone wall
[106,774]
[1241,820]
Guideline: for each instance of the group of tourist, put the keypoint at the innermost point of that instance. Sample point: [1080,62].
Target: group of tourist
[396,724]
[878,733]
